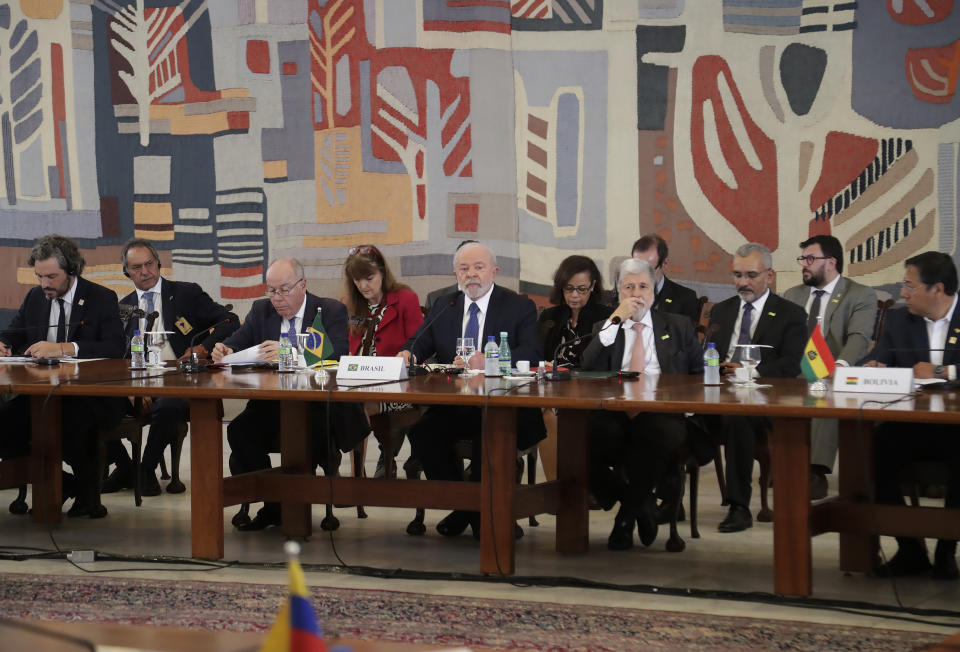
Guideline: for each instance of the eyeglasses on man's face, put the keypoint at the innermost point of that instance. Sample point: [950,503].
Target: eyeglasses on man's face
[283,290]
[753,276]
[577,289]
[809,259]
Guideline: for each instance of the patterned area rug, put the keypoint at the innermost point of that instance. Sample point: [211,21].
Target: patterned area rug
[421,618]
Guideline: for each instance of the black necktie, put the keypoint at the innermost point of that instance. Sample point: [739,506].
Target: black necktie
[61,323]
[814,311]
[744,337]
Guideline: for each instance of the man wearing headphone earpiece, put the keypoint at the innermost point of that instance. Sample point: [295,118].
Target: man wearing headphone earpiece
[66,315]
[185,311]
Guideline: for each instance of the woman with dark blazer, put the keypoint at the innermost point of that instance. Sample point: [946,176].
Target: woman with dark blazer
[384,314]
[577,296]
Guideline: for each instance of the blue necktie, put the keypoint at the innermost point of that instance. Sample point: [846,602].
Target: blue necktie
[744,330]
[148,301]
[292,333]
[473,325]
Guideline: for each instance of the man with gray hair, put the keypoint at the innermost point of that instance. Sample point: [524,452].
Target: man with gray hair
[755,316]
[478,310]
[644,445]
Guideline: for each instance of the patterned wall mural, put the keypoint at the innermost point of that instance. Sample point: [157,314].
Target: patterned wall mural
[232,132]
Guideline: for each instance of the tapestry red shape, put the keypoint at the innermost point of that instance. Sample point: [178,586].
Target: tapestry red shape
[258,57]
[919,12]
[932,72]
[751,205]
[466,217]
[845,156]
[59,108]
[289,67]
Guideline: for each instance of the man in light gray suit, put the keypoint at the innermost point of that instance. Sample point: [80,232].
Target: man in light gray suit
[848,311]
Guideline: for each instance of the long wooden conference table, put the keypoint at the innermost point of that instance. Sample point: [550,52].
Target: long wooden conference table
[497,496]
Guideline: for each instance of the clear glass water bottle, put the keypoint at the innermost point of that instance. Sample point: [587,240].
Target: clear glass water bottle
[504,353]
[287,360]
[711,365]
[491,357]
[137,356]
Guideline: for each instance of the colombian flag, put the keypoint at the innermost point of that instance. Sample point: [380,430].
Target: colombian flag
[817,360]
[318,346]
[295,629]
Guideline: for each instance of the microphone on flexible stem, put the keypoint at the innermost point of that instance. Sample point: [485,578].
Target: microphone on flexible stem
[127,312]
[419,370]
[558,374]
[193,365]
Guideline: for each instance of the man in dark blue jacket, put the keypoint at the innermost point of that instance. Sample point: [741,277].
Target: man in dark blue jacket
[66,315]
[479,309]
[254,433]
[924,335]
[184,312]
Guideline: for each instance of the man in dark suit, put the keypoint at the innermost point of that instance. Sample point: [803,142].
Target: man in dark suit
[755,316]
[481,309]
[926,336]
[66,315]
[847,311]
[670,296]
[185,312]
[254,433]
[644,444]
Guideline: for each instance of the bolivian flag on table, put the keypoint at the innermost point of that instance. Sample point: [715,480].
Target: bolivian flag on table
[319,347]
[295,629]
[817,360]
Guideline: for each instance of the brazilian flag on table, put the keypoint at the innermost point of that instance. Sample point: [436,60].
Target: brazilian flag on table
[319,347]
[817,360]
[295,629]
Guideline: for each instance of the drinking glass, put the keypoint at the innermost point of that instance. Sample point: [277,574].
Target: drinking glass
[750,358]
[465,349]
[301,349]
[154,341]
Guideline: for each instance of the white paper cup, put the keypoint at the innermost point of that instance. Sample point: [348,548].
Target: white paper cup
[523,366]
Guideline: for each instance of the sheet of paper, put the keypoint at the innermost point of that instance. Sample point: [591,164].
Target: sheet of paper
[243,357]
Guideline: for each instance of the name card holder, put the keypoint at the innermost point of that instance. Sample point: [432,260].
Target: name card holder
[876,380]
[371,367]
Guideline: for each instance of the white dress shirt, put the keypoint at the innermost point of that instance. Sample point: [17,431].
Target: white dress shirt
[608,336]
[757,311]
[67,311]
[937,331]
[482,303]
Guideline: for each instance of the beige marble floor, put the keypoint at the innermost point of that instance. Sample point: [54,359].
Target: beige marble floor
[714,564]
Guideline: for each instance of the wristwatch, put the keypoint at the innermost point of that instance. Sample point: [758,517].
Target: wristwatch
[937,371]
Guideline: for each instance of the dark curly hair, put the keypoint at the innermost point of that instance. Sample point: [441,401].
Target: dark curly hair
[570,267]
[64,249]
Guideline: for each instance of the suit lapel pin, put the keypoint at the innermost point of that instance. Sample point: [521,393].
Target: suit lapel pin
[665,336]
[952,340]
[668,300]
[956,330]
[772,314]
[80,302]
[837,300]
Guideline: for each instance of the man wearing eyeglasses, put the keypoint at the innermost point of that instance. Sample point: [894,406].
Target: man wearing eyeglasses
[755,316]
[669,296]
[925,335]
[287,309]
[184,311]
[847,312]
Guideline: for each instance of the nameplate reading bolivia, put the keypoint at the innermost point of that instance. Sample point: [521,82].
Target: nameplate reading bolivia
[877,380]
[370,367]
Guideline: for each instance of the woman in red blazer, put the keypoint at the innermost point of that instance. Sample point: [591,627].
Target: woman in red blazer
[383,315]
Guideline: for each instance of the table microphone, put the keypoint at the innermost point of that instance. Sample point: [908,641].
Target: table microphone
[419,370]
[193,365]
[127,312]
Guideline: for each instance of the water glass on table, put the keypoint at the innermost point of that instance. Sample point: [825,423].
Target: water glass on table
[465,349]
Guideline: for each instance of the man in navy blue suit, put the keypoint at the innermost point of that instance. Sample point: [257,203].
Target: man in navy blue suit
[478,310]
[926,336]
[65,315]
[185,312]
[254,433]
